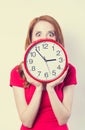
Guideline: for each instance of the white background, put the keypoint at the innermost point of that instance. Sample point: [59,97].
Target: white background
[15,16]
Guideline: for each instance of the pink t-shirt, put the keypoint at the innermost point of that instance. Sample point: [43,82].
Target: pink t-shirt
[45,119]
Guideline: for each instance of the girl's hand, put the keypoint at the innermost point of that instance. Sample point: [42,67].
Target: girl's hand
[58,81]
[30,79]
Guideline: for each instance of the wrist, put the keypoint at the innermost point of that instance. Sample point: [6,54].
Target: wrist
[49,88]
[39,88]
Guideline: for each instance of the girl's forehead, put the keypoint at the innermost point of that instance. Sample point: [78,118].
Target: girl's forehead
[43,22]
[43,25]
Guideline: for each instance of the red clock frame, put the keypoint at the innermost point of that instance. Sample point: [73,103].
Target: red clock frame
[37,42]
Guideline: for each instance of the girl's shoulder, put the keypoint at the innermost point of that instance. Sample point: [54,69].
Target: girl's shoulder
[71,76]
[15,69]
[72,68]
[15,78]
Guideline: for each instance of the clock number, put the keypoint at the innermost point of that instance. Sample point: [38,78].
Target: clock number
[33,68]
[59,67]
[37,48]
[60,59]
[58,53]
[39,72]
[46,75]
[45,46]
[54,72]
[33,54]
[30,61]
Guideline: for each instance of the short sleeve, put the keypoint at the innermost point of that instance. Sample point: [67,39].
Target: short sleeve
[15,79]
[71,76]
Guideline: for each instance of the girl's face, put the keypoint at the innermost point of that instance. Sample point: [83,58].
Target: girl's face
[43,30]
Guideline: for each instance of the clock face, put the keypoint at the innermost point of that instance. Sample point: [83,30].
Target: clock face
[45,60]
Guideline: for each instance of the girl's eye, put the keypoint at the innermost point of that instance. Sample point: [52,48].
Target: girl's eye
[38,34]
[51,34]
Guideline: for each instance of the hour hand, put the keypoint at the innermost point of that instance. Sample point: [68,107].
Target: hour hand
[51,60]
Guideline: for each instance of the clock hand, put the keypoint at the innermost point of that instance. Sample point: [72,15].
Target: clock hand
[41,55]
[51,60]
[44,60]
[48,67]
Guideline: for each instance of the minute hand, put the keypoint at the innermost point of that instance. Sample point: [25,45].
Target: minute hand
[41,55]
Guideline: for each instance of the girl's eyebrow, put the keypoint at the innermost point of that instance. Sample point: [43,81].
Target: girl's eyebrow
[51,31]
[37,32]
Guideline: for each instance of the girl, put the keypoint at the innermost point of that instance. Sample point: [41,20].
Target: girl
[39,108]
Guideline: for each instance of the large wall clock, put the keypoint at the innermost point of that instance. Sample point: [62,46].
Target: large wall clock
[45,60]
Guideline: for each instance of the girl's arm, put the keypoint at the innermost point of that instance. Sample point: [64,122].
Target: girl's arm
[27,113]
[62,110]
